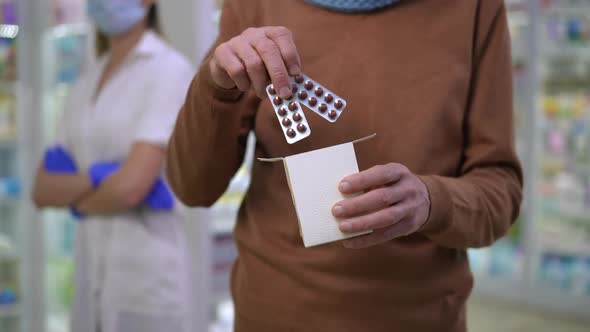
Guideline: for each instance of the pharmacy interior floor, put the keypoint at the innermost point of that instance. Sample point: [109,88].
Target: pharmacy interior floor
[487,316]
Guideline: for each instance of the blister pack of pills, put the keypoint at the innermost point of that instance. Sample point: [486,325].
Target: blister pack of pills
[290,115]
[314,96]
[317,98]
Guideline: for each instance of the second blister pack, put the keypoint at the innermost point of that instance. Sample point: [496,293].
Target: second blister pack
[314,96]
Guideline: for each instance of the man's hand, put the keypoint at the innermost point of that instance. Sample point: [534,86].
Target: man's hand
[254,58]
[394,203]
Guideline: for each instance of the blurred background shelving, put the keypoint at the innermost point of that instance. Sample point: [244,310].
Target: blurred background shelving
[35,249]
[543,263]
[10,195]
[545,260]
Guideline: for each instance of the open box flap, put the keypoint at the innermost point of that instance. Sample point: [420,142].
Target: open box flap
[325,232]
[272,160]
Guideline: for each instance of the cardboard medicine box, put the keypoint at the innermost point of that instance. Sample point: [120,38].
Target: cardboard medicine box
[313,179]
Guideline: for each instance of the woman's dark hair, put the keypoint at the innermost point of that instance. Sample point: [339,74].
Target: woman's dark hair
[153,23]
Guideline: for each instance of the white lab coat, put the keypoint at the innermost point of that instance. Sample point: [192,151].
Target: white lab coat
[132,269]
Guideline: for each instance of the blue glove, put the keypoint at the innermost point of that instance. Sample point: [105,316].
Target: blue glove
[160,197]
[99,171]
[58,160]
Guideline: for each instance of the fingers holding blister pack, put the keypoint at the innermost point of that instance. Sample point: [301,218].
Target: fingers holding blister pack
[290,115]
[249,60]
[314,96]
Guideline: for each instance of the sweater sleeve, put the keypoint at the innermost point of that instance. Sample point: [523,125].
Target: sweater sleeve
[478,206]
[209,140]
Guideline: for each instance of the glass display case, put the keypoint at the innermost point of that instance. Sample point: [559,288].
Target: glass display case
[11,258]
[43,46]
[545,261]
[506,261]
[563,217]
[67,43]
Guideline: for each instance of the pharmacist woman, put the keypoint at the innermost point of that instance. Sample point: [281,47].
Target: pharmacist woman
[131,258]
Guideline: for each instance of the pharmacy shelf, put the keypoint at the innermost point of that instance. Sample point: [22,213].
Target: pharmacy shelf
[511,3]
[11,310]
[581,217]
[8,201]
[565,249]
[8,258]
[518,19]
[567,9]
[579,53]
[7,144]
[547,300]
[8,87]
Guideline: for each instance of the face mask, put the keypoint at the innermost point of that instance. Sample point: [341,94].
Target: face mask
[353,6]
[115,17]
